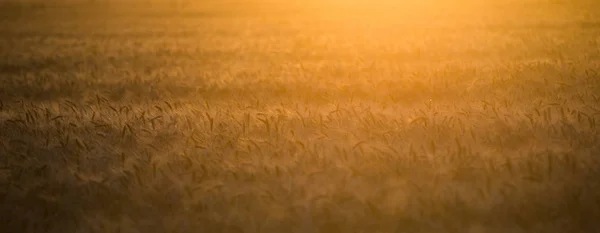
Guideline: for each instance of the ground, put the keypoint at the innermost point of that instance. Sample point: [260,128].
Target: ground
[316,116]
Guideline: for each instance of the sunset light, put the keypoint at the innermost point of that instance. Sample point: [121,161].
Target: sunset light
[273,116]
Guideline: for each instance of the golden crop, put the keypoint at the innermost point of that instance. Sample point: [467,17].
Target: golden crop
[299,116]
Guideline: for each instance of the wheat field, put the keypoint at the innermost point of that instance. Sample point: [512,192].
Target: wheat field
[309,116]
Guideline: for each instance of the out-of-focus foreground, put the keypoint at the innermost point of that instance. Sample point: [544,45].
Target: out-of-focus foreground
[316,116]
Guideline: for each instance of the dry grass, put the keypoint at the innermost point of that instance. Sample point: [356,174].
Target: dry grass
[257,117]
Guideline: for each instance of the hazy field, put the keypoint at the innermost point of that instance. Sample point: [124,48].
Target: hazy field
[316,116]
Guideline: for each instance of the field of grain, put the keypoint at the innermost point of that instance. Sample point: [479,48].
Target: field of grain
[269,116]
